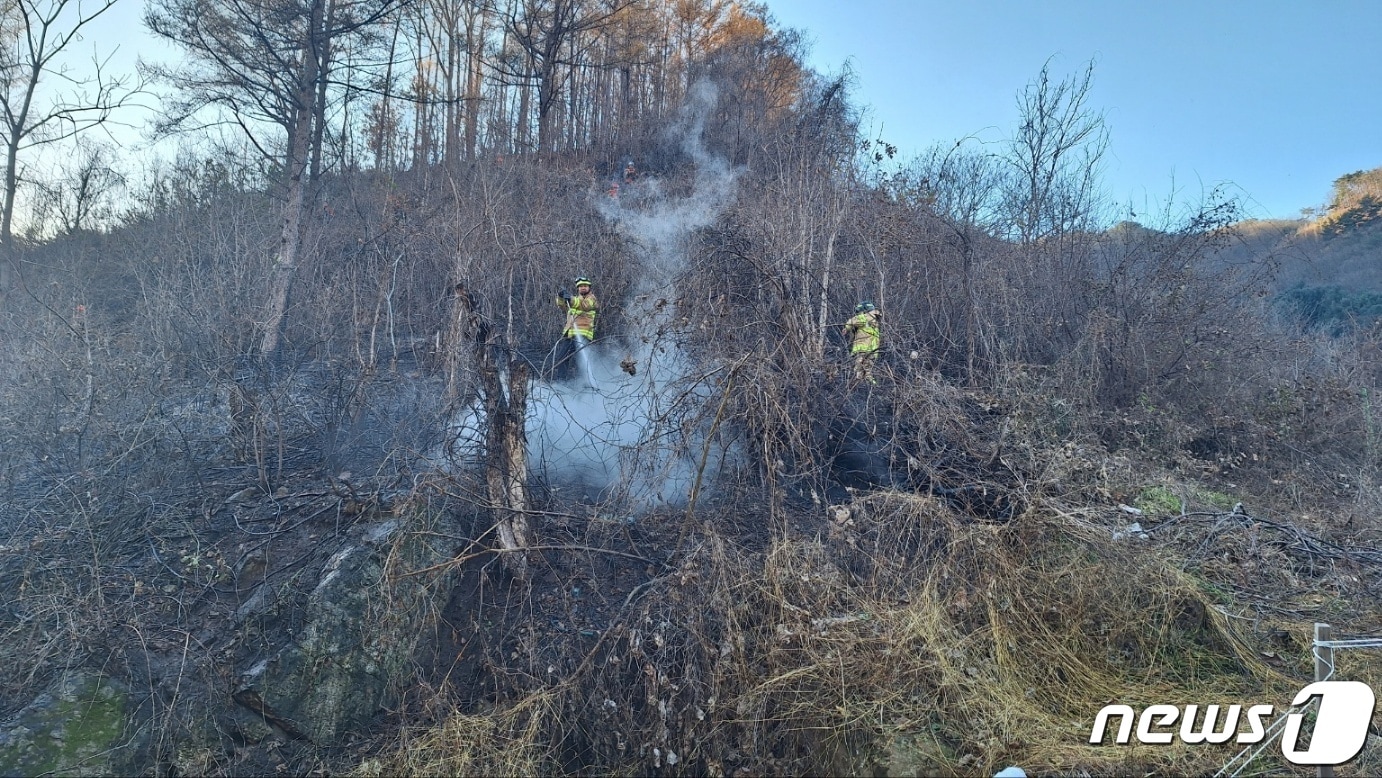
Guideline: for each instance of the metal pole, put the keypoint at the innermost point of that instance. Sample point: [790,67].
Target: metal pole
[1324,668]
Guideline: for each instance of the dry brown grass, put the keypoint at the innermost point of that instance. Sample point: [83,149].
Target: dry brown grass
[507,742]
[912,640]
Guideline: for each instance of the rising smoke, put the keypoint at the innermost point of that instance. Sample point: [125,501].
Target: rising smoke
[632,427]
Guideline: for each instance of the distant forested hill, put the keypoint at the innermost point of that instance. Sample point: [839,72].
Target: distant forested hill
[1329,266]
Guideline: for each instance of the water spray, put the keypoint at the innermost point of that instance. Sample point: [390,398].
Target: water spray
[583,357]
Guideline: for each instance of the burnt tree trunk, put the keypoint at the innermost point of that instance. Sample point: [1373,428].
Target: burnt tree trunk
[506,462]
[463,347]
[506,457]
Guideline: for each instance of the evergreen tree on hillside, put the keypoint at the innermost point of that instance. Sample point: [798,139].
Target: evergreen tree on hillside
[1356,202]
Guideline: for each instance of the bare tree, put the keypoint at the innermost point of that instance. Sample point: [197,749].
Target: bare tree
[34,36]
[1055,157]
[264,65]
[455,33]
[549,33]
[961,187]
[79,195]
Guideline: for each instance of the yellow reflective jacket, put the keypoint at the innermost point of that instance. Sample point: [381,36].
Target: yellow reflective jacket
[863,333]
[580,315]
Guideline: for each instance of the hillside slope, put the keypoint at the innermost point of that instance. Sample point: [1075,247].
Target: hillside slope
[1090,470]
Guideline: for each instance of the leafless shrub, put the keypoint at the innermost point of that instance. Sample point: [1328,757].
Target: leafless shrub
[965,645]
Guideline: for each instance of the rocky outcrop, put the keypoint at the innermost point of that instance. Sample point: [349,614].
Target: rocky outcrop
[294,649]
[360,625]
[75,728]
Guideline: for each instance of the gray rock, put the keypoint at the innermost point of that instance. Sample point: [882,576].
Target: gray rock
[360,629]
[78,727]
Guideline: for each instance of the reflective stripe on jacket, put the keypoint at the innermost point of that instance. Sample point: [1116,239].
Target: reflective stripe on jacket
[580,315]
[863,332]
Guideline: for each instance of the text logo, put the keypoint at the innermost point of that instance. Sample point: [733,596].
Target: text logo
[1341,725]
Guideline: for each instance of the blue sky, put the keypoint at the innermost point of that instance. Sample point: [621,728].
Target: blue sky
[1274,99]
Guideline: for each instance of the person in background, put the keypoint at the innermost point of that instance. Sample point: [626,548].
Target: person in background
[865,338]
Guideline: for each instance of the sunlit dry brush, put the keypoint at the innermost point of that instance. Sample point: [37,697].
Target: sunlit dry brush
[1010,637]
[907,637]
[506,742]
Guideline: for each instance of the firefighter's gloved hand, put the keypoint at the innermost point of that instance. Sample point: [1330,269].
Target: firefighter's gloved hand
[565,294]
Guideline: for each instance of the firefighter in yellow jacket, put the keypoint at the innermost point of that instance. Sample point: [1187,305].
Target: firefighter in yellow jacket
[579,327]
[580,310]
[865,338]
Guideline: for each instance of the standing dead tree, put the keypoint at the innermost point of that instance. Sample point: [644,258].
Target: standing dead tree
[505,407]
[1054,159]
[549,34]
[81,192]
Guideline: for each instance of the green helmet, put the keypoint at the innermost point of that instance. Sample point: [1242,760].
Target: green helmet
[583,280]
[865,307]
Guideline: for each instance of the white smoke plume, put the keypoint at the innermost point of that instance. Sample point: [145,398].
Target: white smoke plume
[659,225]
[638,439]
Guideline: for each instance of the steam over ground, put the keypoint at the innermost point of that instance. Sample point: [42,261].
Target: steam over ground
[631,426]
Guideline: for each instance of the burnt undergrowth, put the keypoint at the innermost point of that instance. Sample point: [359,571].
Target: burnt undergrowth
[1087,472]
[895,634]
[952,594]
